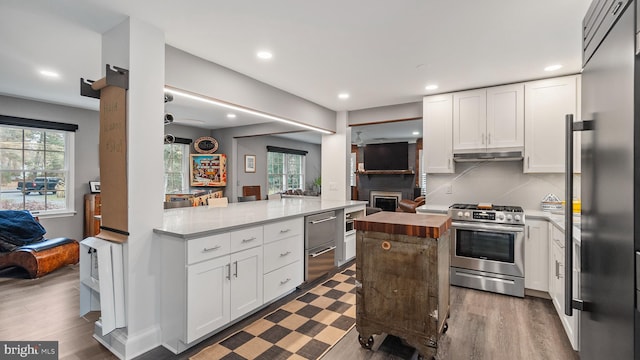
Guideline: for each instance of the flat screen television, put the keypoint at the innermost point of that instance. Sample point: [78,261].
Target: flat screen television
[387,156]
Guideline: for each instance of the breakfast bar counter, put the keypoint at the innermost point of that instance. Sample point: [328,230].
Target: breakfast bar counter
[194,222]
[402,272]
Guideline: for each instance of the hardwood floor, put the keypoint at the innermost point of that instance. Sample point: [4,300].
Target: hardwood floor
[482,325]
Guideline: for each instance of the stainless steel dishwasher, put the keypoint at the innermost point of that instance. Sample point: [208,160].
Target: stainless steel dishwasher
[319,244]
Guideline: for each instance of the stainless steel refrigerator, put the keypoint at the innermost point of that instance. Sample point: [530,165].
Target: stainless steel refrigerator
[610,185]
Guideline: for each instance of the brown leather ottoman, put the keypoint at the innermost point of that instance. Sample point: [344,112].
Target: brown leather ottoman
[42,257]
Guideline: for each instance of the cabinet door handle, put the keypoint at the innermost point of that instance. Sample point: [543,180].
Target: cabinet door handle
[248,240]
[285,253]
[449,163]
[285,231]
[489,138]
[285,281]
[228,271]
[236,273]
[211,249]
[528,231]
[528,162]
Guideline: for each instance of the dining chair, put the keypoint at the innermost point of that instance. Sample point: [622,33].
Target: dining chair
[246,198]
[218,202]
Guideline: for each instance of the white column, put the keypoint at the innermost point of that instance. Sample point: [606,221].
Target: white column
[336,151]
[139,47]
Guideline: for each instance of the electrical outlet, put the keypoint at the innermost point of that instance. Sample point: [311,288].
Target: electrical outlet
[449,189]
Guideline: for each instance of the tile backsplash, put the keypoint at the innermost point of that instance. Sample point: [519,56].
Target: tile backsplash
[495,182]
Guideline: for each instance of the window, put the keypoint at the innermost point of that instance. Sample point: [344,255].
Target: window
[36,166]
[285,169]
[176,168]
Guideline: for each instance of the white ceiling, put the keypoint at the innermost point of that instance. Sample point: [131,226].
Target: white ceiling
[382,52]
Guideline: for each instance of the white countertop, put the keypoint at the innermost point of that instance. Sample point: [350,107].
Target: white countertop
[193,222]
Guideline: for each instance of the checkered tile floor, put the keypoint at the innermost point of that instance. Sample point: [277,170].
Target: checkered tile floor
[304,328]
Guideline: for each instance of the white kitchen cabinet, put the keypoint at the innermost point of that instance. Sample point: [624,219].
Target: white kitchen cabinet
[546,104]
[208,297]
[226,287]
[246,281]
[536,255]
[437,129]
[505,117]
[556,284]
[469,120]
[490,119]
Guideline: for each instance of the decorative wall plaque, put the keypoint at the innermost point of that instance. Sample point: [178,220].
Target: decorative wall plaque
[206,145]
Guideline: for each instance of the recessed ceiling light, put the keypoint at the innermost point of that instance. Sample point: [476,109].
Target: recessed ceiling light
[343,95]
[431,87]
[553,67]
[49,73]
[265,55]
[231,116]
[416,133]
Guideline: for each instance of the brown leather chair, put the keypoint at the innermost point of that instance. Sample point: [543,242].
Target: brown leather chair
[406,205]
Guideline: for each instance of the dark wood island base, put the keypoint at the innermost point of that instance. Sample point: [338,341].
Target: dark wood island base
[402,274]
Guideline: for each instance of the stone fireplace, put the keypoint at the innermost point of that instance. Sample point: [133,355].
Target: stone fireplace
[388,189]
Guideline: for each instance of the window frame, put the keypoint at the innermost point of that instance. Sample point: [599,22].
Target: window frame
[184,167]
[284,176]
[68,130]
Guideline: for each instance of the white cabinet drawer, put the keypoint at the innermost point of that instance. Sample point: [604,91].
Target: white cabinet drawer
[283,229]
[282,252]
[208,247]
[281,281]
[246,238]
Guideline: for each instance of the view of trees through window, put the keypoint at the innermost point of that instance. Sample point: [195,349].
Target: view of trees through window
[33,169]
[284,171]
[176,168]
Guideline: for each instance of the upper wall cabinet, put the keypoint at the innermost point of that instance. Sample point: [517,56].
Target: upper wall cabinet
[437,129]
[547,103]
[488,119]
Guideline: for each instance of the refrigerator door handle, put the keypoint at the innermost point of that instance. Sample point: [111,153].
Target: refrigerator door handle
[569,302]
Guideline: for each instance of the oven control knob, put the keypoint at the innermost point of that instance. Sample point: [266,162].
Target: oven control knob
[467,214]
[459,214]
[509,218]
[517,217]
[501,217]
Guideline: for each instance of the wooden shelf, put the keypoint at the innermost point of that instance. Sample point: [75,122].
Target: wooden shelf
[385,172]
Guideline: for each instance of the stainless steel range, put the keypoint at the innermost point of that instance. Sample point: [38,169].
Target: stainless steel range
[487,251]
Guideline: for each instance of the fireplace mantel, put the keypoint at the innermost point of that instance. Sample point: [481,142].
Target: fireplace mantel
[385,172]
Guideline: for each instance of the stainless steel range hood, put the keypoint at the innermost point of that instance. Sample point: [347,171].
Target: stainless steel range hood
[489,156]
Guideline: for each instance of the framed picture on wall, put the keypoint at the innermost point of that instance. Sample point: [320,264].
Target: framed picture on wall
[249,163]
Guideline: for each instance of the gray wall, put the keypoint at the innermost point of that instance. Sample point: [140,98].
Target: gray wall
[258,146]
[86,165]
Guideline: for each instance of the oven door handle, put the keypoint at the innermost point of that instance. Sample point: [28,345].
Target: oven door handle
[487,227]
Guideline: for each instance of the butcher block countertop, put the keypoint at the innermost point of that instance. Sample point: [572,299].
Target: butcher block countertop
[420,225]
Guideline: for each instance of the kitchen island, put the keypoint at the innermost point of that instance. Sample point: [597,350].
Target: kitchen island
[402,267]
[221,264]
